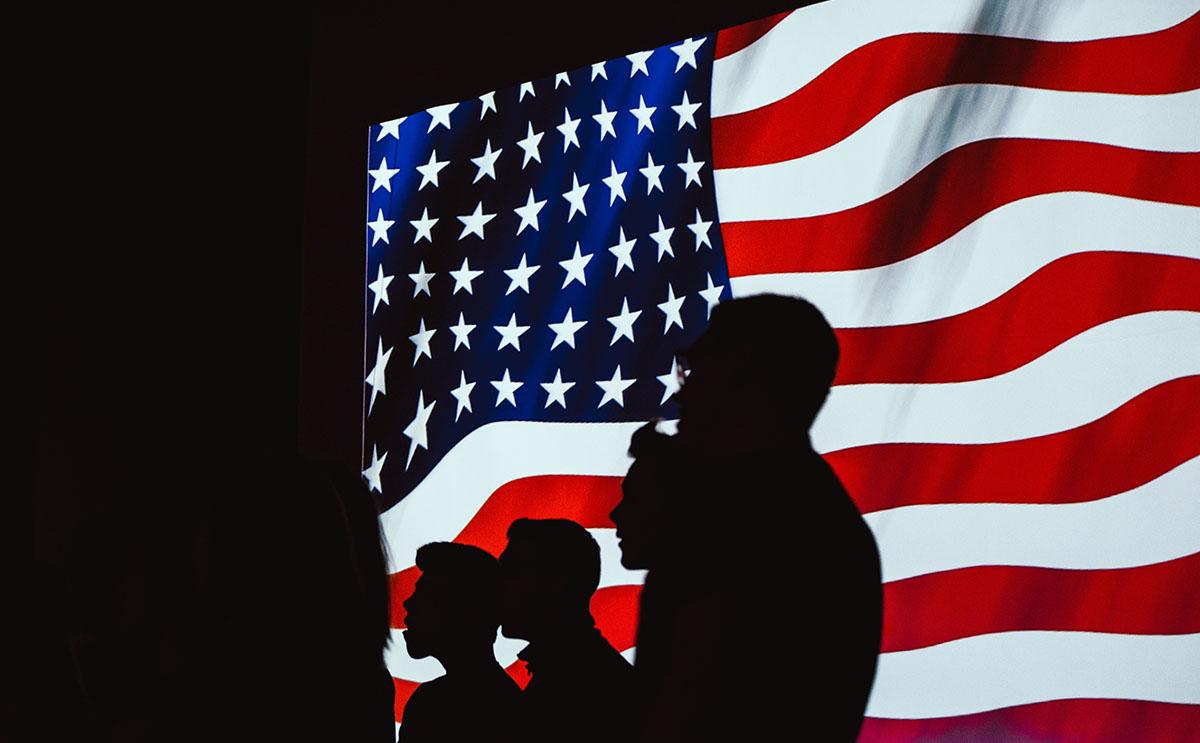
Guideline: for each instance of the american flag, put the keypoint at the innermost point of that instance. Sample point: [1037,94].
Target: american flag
[997,206]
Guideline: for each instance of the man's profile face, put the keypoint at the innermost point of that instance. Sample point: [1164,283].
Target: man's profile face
[425,617]
[519,591]
[638,515]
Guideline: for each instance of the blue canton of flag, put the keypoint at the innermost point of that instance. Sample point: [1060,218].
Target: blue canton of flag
[538,254]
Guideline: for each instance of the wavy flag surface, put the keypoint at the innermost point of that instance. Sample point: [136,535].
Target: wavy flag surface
[995,204]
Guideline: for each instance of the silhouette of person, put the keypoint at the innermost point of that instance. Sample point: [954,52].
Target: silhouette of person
[453,615]
[643,516]
[579,688]
[762,610]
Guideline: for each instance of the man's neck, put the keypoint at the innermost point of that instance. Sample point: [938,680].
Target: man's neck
[469,661]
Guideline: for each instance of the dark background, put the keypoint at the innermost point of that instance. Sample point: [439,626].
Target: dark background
[198,198]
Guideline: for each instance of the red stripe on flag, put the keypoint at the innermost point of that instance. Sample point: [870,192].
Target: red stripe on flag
[735,39]
[858,86]
[1144,438]
[400,587]
[939,607]
[1023,323]
[1062,721]
[586,500]
[950,193]
[404,690]
[615,609]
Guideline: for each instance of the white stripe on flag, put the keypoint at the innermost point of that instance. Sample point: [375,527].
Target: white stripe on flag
[1151,523]
[988,257]
[1075,383]
[1005,669]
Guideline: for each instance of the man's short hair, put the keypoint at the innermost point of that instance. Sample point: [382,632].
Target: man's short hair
[465,578]
[769,338]
[559,546]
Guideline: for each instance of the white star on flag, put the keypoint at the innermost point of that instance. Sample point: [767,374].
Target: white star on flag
[374,473]
[623,323]
[663,237]
[686,52]
[623,251]
[462,394]
[463,277]
[379,228]
[700,228]
[519,276]
[599,71]
[486,162]
[390,128]
[462,333]
[615,182]
[441,116]
[530,145]
[429,171]
[375,377]
[424,226]
[383,176]
[614,389]
[489,103]
[510,335]
[691,169]
[638,60]
[379,287]
[686,110]
[711,295]
[556,391]
[564,332]
[529,213]
[672,309]
[562,77]
[421,280]
[575,197]
[670,382]
[505,388]
[473,223]
[567,130]
[526,87]
[652,173]
[416,430]
[574,267]
[421,340]
[643,113]
[605,120]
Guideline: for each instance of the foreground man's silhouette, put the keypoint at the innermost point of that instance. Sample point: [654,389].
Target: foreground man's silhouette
[453,615]
[580,685]
[762,611]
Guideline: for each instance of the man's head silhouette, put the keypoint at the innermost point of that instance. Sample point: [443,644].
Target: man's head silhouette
[647,494]
[759,372]
[549,571]
[456,601]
